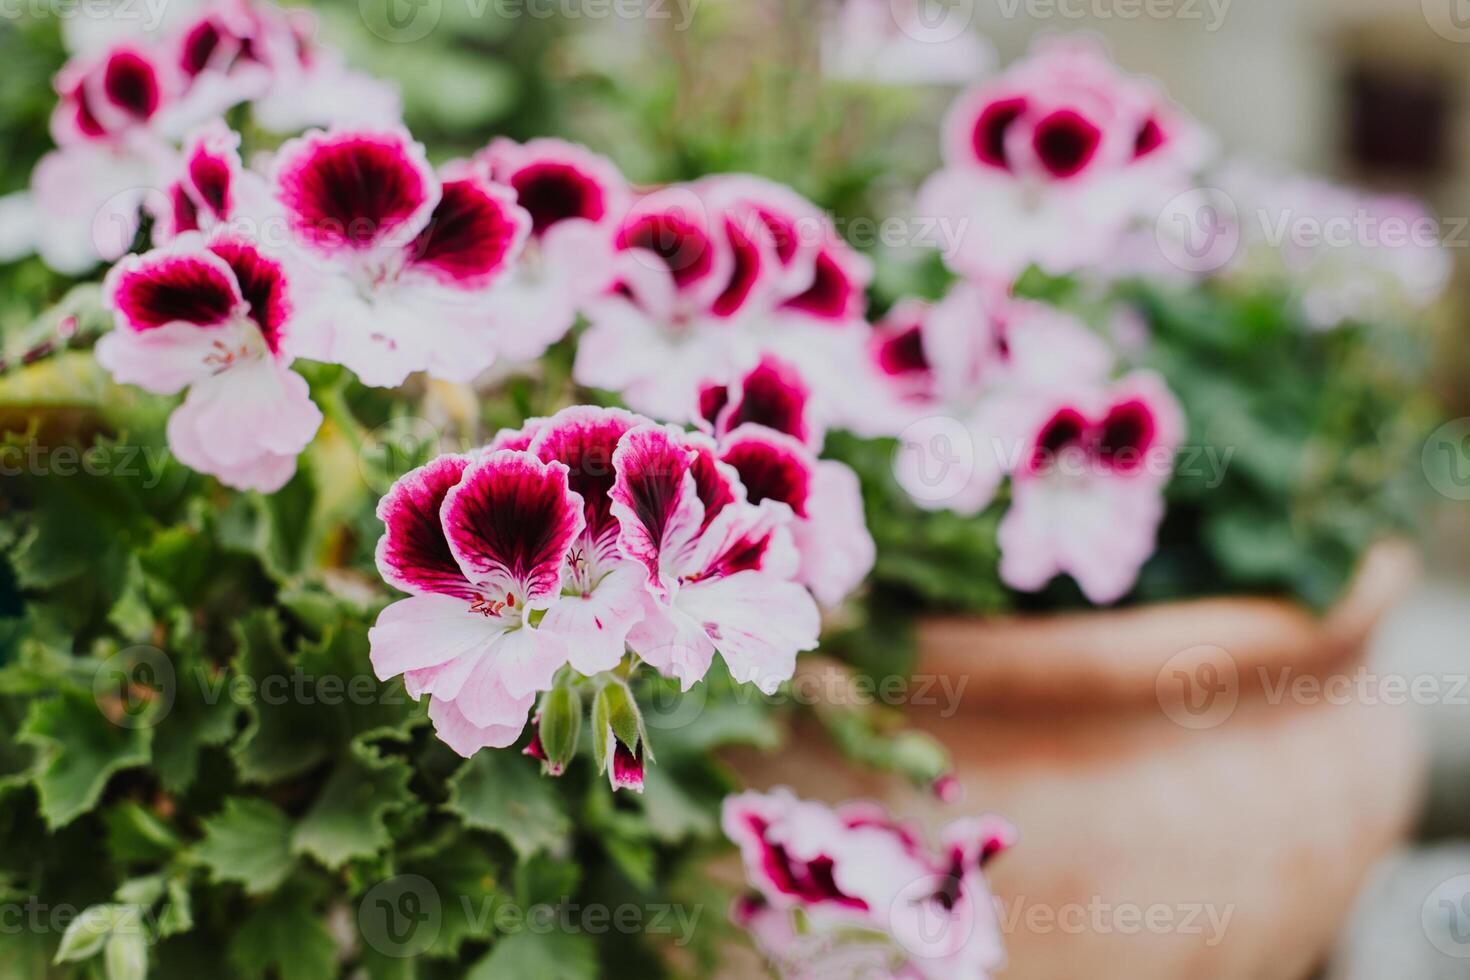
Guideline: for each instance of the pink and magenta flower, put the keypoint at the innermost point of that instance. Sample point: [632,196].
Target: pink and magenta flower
[479,544]
[575,199]
[1049,162]
[403,259]
[1087,497]
[979,358]
[868,886]
[212,189]
[772,394]
[720,571]
[566,544]
[716,274]
[213,316]
[828,525]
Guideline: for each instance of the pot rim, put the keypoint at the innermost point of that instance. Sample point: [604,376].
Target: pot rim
[1102,658]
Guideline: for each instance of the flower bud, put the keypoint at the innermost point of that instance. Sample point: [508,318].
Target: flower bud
[557,725]
[618,738]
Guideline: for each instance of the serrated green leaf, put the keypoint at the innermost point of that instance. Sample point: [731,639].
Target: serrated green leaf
[543,955]
[545,880]
[461,870]
[282,739]
[348,819]
[286,935]
[501,791]
[77,751]
[248,841]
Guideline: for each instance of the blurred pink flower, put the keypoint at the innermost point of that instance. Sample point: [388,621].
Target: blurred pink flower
[870,888]
[1049,162]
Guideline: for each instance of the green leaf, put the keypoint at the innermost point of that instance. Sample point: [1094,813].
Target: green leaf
[501,791]
[142,891]
[177,916]
[283,739]
[77,751]
[249,842]
[347,819]
[545,880]
[126,956]
[87,934]
[461,871]
[287,935]
[545,956]
[136,835]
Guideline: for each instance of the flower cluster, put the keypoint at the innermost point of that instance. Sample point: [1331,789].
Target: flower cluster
[126,98]
[714,274]
[852,892]
[1031,390]
[1049,162]
[565,544]
[378,263]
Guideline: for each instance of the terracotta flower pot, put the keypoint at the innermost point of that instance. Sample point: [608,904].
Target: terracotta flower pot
[1199,786]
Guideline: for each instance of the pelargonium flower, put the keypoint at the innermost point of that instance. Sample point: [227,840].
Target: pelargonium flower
[717,273]
[828,525]
[602,591]
[213,315]
[899,355]
[540,552]
[128,95]
[273,56]
[772,394]
[129,91]
[1087,498]
[766,431]
[480,545]
[719,570]
[575,199]
[212,189]
[404,258]
[858,875]
[1050,161]
[116,112]
[979,358]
